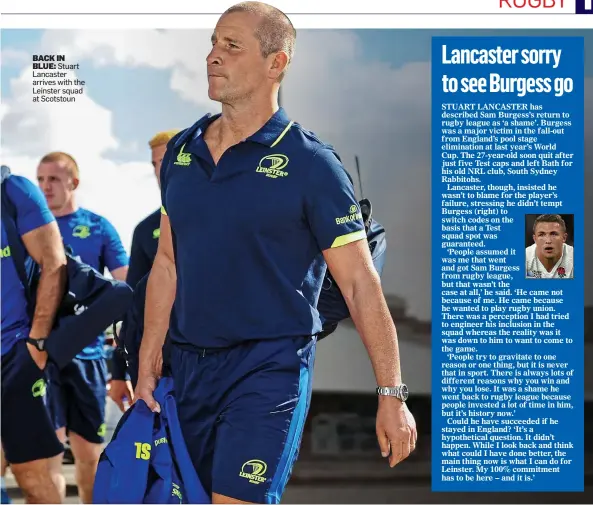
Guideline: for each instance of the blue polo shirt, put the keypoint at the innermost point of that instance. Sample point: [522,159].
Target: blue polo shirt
[94,240]
[32,213]
[145,242]
[249,232]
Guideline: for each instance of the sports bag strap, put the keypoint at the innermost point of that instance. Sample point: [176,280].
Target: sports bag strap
[193,487]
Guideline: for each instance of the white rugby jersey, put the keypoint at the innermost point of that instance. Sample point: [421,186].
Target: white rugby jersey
[563,269]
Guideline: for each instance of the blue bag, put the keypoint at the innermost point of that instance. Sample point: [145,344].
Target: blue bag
[147,459]
[132,328]
[91,303]
[331,305]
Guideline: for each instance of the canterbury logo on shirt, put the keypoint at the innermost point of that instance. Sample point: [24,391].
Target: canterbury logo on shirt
[183,159]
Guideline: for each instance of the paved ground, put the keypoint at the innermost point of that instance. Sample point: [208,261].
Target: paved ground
[403,493]
[373,483]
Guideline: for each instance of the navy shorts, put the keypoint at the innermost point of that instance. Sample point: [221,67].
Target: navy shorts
[77,396]
[27,431]
[242,412]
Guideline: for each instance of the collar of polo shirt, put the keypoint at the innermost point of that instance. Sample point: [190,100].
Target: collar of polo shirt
[270,134]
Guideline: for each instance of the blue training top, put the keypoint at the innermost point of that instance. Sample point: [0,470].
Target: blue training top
[94,240]
[32,213]
[145,242]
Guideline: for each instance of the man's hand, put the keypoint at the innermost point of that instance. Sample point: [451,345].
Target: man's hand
[160,295]
[120,389]
[147,381]
[39,357]
[396,430]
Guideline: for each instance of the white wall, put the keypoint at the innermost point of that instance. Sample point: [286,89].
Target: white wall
[342,363]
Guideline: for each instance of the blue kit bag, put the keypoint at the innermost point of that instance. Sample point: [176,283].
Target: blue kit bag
[147,459]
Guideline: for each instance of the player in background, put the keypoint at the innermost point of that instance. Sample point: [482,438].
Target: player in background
[77,394]
[144,246]
[28,437]
[146,234]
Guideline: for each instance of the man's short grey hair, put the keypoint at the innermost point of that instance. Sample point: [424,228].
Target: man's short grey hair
[275,31]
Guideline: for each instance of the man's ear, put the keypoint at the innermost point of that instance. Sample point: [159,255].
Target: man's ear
[278,64]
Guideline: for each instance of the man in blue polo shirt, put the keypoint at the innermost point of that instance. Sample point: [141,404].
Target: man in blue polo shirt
[28,436]
[77,394]
[144,246]
[255,208]
[146,234]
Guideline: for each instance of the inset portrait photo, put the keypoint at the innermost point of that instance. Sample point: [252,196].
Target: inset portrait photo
[549,252]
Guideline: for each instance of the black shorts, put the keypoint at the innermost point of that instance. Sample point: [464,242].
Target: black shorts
[77,396]
[27,430]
